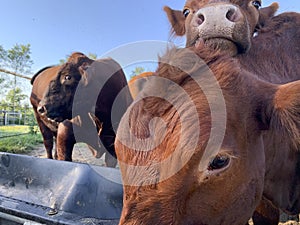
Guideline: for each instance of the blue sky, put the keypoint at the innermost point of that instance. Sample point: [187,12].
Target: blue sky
[56,28]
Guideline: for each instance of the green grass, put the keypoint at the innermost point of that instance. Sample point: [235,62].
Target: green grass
[19,144]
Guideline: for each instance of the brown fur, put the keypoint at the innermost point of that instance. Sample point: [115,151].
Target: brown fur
[250,19]
[48,130]
[137,83]
[265,14]
[261,138]
[274,53]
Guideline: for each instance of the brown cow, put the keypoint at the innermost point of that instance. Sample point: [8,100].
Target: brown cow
[227,25]
[170,179]
[40,82]
[75,103]
[138,82]
[274,35]
[48,127]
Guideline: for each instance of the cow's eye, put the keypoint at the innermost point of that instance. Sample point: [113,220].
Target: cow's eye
[186,12]
[68,77]
[219,162]
[256,4]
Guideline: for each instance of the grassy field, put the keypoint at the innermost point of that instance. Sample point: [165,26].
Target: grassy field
[19,139]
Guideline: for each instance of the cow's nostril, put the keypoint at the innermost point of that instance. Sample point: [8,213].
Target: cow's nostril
[233,15]
[200,19]
[41,109]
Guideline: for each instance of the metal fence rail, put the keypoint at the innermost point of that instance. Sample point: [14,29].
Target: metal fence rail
[24,116]
[15,115]
[9,117]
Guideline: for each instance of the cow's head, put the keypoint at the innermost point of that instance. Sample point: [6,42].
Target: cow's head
[57,102]
[224,24]
[177,165]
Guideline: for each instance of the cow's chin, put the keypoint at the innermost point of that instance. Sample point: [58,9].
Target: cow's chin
[51,123]
[223,45]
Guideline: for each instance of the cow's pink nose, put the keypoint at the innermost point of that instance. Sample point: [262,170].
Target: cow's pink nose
[200,19]
[218,15]
[234,14]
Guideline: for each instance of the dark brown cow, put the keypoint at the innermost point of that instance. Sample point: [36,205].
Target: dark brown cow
[180,169]
[40,82]
[48,127]
[75,103]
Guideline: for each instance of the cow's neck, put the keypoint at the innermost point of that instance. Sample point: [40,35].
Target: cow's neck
[282,181]
[274,55]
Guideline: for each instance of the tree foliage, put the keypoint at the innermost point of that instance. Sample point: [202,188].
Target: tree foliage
[15,96]
[138,70]
[18,60]
[2,55]
[92,56]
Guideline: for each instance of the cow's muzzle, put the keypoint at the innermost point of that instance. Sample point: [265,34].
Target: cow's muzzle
[53,119]
[222,25]
[42,109]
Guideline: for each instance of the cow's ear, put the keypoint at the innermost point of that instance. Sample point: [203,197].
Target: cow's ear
[267,13]
[285,118]
[78,58]
[177,20]
[84,75]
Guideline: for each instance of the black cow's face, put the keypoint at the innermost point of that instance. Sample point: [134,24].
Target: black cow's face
[58,99]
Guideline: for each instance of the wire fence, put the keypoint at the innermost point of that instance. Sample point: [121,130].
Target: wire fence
[19,114]
[24,116]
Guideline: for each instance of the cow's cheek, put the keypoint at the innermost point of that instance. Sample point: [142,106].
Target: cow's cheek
[228,200]
[191,31]
[231,196]
[252,17]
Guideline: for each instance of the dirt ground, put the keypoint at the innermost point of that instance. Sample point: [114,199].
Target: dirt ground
[82,154]
[287,222]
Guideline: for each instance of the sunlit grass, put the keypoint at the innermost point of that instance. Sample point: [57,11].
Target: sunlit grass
[21,143]
[10,130]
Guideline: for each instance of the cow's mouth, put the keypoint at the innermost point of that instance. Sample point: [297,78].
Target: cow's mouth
[223,44]
[52,123]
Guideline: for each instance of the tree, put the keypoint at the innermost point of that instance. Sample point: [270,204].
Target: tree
[92,56]
[15,96]
[2,58]
[2,54]
[138,70]
[18,60]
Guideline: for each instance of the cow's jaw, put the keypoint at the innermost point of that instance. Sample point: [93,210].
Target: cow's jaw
[52,124]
